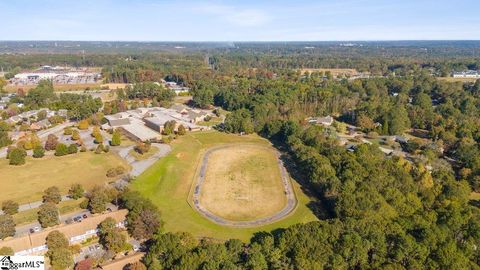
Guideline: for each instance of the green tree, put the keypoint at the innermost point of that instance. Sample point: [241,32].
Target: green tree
[110,236]
[116,138]
[75,135]
[7,226]
[52,195]
[38,152]
[72,149]
[10,207]
[98,197]
[168,127]
[17,156]
[181,130]
[48,215]
[76,191]
[59,253]
[399,121]
[83,125]
[143,218]
[61,150]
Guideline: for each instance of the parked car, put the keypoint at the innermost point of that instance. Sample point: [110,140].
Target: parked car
[109,209]
[34,229]
[85,216]
[69,221]
[78,219]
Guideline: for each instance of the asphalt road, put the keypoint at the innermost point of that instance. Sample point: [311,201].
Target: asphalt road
[25,229]
[138,167]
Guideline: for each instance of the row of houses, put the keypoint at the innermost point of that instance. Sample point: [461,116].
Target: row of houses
[147,124]
[467,74]
[175,87]
[35,244]
[32,116]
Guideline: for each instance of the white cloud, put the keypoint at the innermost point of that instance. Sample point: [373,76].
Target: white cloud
[247,17]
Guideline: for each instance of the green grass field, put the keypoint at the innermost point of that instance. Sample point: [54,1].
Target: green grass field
[30,216]
[168,184]
[26,183]
[147,155]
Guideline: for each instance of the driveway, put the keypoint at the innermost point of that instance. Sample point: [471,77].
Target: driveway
[139,166]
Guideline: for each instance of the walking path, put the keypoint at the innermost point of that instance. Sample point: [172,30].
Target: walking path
[289,207]
[34,205]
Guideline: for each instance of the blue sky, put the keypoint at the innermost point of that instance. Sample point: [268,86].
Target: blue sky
[215,20]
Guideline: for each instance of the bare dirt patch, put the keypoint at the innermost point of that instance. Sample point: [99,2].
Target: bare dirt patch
[243,182]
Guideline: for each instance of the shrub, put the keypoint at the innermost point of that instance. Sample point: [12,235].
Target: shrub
[72,149]
[142,148]
[111,172]
[61,150]
[98,138]
[67,131]
[99,149]
[17,156]
[181,130]
[9,207]
[83,125]
[76,191]
[52,194]
[106,149]
[51,142]
[166,139]
[38,152]
[75,135]
[116,138]
[83,149]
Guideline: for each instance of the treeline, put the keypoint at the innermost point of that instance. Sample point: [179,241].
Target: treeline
[446,113]
[379,213]
[43,96]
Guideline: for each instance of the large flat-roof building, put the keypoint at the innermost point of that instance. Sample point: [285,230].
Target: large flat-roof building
[146,124]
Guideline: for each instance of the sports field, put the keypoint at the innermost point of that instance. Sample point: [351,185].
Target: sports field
[169,182]
[243,182]
[26,183]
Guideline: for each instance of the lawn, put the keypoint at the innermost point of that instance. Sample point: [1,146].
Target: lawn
[30,216]
[26,183]
[147,155]
[452,79]
[243,182]
[168,184]
[212,122]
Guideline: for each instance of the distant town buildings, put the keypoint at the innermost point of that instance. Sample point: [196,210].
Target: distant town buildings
[467,74]
[58,75]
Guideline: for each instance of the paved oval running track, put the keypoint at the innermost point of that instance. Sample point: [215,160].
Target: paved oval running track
[289,207]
